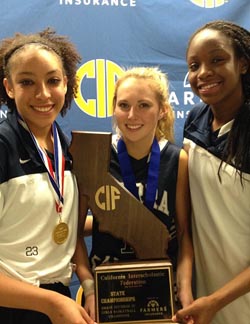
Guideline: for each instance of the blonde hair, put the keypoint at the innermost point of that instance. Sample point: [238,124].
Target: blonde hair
[159,83]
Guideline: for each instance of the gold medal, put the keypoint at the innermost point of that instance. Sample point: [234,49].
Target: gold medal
[60,233]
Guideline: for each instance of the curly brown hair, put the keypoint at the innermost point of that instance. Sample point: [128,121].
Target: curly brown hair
[49,40]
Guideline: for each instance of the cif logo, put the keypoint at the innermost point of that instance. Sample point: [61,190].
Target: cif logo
[106,196]
[209,3]
[101,75]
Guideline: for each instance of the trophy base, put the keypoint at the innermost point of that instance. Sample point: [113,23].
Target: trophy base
[134,292]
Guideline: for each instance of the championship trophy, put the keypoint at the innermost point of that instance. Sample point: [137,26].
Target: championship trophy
[126,292]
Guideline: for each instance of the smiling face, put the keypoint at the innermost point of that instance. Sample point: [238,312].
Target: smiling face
[215,71]
[137,112]
[37,84]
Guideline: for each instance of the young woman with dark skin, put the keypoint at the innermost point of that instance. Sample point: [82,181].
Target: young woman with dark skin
[217,139]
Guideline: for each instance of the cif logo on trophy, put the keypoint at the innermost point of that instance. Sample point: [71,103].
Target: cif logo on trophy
[110,194]
[126,292]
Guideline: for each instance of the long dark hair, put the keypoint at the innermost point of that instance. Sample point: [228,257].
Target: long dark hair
[237,149]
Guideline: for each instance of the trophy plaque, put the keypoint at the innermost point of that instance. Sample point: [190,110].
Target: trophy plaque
[134,292]
[119,213]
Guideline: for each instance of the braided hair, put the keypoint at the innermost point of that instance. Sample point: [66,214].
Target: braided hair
[237,149]
[50,41]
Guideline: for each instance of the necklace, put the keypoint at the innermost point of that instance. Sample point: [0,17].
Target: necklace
[61,230]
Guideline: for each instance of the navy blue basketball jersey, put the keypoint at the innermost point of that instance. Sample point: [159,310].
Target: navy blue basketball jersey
[105,247]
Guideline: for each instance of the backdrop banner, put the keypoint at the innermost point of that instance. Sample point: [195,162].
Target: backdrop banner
[115,34]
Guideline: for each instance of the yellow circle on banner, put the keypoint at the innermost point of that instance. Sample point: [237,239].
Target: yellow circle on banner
[209,3]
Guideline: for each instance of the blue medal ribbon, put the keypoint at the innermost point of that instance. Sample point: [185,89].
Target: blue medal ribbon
[56,178]
[129,177]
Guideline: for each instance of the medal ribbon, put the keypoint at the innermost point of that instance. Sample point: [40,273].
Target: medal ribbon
[56,178]
[129,177]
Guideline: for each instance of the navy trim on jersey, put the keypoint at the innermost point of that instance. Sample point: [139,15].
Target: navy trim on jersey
[28,212]
[105,247]
[18,153]
[220,212]
[198,129]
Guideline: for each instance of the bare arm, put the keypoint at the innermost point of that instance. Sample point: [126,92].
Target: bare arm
[88,225]
[185,255]
[81,259]
[60,309]
[203,309]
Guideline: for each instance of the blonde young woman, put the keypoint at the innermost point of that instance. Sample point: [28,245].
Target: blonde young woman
[144,122]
